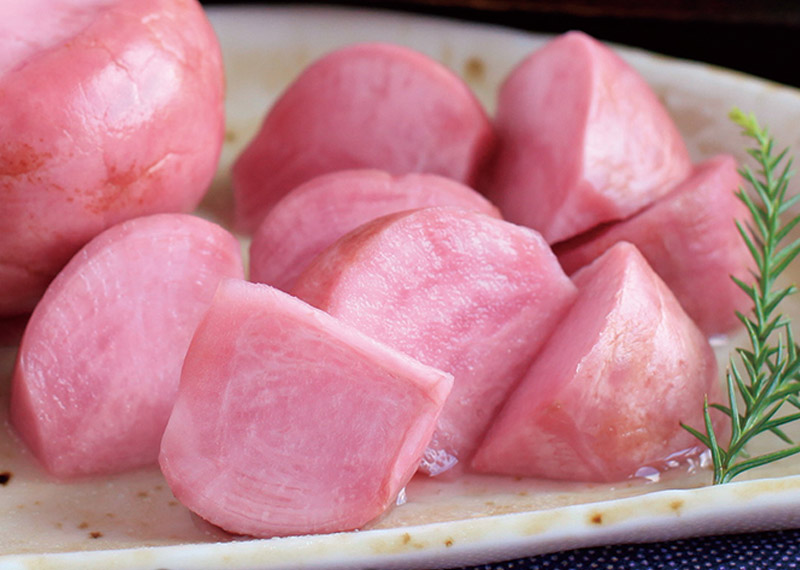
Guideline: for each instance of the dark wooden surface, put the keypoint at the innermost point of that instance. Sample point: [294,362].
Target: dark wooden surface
[758,37]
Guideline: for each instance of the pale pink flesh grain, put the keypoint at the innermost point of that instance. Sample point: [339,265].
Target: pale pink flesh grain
[689,238]
[581,140]
[606,394]
[99,363]
[314,215]
[290,422]
[363,106]
[127,120]
[464,292]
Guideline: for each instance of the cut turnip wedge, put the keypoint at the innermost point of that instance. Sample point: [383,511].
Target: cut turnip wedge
[689,238]
[582,140]
[291,422]
[100,360]
[464,292]
[371,105]
[607,393]
[324,209]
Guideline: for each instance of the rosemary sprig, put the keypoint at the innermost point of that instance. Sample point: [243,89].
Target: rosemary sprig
[771,364]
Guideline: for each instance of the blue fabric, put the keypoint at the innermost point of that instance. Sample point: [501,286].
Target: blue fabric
[758,551]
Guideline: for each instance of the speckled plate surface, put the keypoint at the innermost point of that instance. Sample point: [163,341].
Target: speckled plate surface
[133,521]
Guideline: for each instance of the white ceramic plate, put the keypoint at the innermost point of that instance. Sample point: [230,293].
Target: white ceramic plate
[132,521]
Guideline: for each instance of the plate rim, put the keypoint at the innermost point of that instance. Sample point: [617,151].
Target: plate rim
[509,535]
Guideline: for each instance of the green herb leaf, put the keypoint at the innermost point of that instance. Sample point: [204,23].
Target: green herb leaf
[767,375]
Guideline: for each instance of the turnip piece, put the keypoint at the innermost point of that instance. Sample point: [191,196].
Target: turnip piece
[606,395]
[581,140]
[99,363]
[689,238]
[458,290]
[314,215]
[367,105]
[111,109]
[291,422]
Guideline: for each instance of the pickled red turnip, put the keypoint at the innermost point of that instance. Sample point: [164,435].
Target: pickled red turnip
[111,109]
[689,238]
[100,359]
[290,422]
[606,395]
[369,105]
[464,292]
[581,140]
[314,215]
